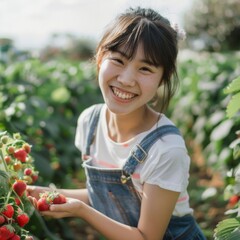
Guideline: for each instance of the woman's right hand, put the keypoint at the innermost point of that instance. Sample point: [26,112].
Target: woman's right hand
[34,191]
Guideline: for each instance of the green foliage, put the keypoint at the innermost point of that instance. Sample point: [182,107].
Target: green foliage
[199,109]
[200,105]
[228,229]
[234,104]
[43,102]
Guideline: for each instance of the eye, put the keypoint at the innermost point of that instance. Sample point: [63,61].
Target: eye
[117,60]
[146,69]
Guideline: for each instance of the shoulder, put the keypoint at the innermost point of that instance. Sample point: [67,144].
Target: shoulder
[85,115]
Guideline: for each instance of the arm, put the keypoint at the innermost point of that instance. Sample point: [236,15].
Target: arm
[156,210]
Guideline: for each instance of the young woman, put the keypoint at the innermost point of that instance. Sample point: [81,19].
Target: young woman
[135,159]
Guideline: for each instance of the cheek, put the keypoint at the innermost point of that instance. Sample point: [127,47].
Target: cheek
[106,72]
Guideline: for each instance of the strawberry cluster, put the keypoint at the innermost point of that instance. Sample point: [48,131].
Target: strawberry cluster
[16,171]
[47,198]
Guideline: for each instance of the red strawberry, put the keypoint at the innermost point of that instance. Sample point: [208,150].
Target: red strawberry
[17,201]
[2,220]
[19,187]
[59,199]
[22,219]
[28,171]
[21,155]
[8,211]
[43,204]
[34,178]
[15,237]
[234,200]
[6,232]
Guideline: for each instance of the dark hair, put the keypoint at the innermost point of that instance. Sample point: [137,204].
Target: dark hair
[159,41]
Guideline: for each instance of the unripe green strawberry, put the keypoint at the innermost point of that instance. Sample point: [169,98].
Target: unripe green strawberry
[4,139]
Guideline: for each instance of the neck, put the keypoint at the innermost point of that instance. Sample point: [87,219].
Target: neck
[124,127]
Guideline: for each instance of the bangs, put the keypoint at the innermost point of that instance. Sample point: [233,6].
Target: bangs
[144,32]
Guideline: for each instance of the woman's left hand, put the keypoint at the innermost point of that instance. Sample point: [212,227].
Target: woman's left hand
[71,208]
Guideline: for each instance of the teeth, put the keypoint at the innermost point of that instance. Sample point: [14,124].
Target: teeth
[122,95]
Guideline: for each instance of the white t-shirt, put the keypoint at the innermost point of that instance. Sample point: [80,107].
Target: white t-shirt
[167,164]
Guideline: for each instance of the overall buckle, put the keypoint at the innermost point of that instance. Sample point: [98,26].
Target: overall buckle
[133,152]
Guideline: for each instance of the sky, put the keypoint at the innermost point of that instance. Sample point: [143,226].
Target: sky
[30,23]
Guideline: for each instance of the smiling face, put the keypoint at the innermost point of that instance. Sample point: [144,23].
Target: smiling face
[153,35]
[128,84]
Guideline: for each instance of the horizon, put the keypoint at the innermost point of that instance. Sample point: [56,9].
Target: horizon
[31,25]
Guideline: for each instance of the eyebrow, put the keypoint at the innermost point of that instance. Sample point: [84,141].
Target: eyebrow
[141,60]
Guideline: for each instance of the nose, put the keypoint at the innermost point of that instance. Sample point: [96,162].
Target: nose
[127,77]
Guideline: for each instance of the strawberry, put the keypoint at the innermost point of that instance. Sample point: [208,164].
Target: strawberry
[234,200]
[59,199]
[17,166]
[22,219]
[48,198]
[43,204]
[34,177]
[11,150]
[8,211]
[19,187]
[27,179]
[21,155]
[7,159]
[17,201]
[6,232]
[15,237]
[4,139]
[2,220]
[27,148]
[28,171]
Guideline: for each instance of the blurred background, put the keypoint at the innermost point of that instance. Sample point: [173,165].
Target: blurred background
[47,77]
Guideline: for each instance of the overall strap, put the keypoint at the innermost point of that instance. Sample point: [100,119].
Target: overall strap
[92,126]
[140,151]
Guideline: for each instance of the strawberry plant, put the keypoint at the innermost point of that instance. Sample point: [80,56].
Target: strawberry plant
[15,208]
[230,228]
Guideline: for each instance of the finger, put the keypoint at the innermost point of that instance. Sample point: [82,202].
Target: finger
[33,201]
[58,207]
[52,214]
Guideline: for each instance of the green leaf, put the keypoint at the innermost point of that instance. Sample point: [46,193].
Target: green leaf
[4,185]
[233,106]
[234,86]
[222,130]
[227,229]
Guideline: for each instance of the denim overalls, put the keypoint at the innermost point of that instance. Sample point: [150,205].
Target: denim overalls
[112,192]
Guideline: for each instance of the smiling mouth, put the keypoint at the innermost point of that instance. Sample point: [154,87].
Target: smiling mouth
[122,95]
